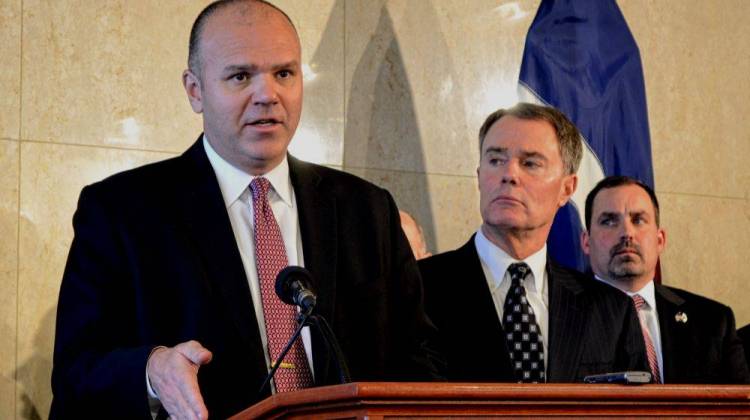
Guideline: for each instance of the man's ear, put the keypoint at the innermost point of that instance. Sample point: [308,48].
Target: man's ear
[661,240]
[569,185]
[585,242]
[192,85]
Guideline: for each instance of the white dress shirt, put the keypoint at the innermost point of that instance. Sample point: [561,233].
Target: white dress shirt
[648,316]
[495,263]
[235,189]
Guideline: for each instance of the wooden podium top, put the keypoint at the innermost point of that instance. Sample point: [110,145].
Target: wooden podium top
[376,400]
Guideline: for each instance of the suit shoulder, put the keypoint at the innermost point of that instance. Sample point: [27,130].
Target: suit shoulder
[439,261]
[147,177]
[463,261]
[585,283]
[351,191]
[340,180]
[693,299]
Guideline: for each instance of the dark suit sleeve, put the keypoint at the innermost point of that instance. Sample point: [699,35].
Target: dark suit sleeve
[421,362]
[733,362]
[95,368]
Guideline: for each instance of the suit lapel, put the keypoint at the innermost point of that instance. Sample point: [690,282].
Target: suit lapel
[209,230]
[566,320]
[474,294]
[674,335]
[316,208]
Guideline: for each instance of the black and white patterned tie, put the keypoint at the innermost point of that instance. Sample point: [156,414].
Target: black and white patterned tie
[521,330]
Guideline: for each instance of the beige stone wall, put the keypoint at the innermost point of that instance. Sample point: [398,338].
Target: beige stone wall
[396,90]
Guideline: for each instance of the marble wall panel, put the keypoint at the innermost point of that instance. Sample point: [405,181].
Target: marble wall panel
[108,73]
[51,180]
[8,274]
[451,214]
[406,83]
[708,248]
[422,76]
[10,68]
[696,61]
[320,23]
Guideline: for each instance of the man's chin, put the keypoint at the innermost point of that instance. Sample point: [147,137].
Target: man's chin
[626,271]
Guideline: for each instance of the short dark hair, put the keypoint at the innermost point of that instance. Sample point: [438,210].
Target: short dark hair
[194,50]
[568,136]
[615,181]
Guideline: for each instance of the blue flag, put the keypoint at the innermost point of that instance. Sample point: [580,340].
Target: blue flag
[581,58]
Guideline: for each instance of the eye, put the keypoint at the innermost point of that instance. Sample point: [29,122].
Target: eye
[531,163]
[639,220]
[284,74]
[240,77]
[607,221]
[496,160]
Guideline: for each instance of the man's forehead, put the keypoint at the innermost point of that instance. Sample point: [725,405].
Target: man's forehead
[522,135]
[630,199]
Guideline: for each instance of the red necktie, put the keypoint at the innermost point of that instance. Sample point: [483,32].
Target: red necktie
[653,361]
[270,258]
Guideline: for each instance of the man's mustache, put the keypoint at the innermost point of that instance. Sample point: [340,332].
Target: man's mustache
[625,244]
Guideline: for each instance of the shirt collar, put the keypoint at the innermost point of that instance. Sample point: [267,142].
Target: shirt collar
[234,181]
[647,292]
[498,260]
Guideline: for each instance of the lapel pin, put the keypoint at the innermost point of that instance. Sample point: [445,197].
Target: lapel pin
[681,317]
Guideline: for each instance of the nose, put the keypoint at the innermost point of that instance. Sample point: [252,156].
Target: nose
[628,230]
[264,92]
[509,173]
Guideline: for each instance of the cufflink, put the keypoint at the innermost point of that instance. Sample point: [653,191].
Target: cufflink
[681,317]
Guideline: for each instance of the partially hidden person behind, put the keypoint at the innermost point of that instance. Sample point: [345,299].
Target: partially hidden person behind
[415,235]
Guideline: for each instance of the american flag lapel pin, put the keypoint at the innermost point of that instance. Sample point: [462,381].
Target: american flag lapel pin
[681,317]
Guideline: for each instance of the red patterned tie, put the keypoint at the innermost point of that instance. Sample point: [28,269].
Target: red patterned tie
[270,258]
[653,361]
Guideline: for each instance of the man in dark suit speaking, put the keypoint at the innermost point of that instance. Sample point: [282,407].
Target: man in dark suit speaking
[536,321]
[689,338]
[167,299]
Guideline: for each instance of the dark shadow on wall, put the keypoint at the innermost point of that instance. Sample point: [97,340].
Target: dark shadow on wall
[382,132]
[33,374]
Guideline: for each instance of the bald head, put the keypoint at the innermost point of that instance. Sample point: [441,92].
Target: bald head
[247,9]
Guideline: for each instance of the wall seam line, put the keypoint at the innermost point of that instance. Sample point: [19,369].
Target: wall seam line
[18,213]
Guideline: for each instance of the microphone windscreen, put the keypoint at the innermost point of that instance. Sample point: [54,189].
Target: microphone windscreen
[287,277]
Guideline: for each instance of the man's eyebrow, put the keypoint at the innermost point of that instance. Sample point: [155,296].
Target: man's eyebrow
[252,68]
[496,150]
[240,68]
[532,154]
[607,214]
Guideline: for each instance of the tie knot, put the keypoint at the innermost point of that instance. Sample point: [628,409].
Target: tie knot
[259,187]
[518,271]
[640,303]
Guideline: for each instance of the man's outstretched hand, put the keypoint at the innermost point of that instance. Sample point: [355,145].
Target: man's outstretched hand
[173,373]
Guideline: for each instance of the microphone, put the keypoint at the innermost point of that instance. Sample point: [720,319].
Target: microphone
[293,286]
